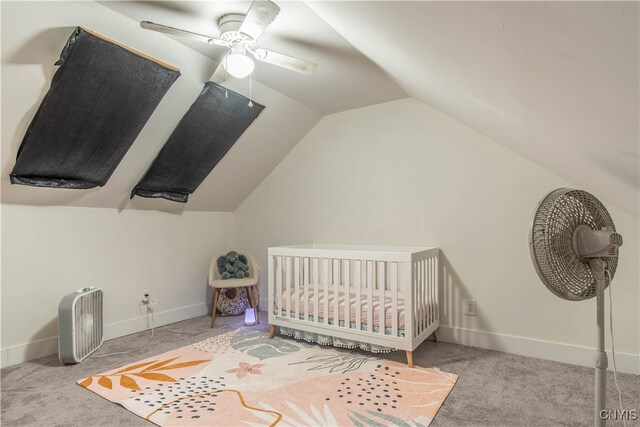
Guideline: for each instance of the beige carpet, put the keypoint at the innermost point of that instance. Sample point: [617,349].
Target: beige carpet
[494,389]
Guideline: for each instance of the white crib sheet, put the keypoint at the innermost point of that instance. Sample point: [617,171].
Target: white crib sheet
[353,305]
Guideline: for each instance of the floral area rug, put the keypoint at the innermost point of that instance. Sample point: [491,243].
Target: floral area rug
[242,378]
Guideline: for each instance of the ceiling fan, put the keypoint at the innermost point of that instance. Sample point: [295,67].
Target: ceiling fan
[240,33]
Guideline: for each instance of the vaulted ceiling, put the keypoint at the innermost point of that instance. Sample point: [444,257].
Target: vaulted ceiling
[556,82]
[345,78]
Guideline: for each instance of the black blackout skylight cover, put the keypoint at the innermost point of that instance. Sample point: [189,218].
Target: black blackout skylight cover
[100,98]
[207,131]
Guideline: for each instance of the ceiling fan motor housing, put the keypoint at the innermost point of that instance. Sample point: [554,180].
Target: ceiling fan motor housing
[229,30]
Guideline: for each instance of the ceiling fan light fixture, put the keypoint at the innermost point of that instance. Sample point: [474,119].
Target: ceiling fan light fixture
[239,33]
[238,64]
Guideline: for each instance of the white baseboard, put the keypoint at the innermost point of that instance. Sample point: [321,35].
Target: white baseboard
[559,352]
[47,346]
[22,352]
[548,350]
[137,324]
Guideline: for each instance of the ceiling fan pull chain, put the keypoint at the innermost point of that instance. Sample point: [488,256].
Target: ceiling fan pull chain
[250,87]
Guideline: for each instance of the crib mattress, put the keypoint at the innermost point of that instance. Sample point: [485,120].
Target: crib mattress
[352,302]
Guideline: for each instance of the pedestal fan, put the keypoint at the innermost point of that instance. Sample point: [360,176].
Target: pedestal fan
[574,248]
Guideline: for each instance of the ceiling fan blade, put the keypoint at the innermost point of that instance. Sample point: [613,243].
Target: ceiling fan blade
[285,61]
[259,16]
[148,25]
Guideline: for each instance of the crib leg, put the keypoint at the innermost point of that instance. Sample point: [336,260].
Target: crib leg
[435,336]
[272,331]
[410,359]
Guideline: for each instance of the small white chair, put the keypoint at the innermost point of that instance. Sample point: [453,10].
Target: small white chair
[249,283]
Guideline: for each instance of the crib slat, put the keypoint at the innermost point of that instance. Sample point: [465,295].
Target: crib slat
[346,279]
[436,293]
[278,278]
[406,274]
[287,283]
[381,282]
[416,299]
[370,280]
[272,285]
[432,290]
[305,291]
[427,293]
[296,284]
[432,283]
[393,276]
[357,282]
[434,301]
[423,303]
[427,297]
[336,292]
[316,284]
[427,283]
[420,301]
[325,287]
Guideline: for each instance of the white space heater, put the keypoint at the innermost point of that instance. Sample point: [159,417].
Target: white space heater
[80,326]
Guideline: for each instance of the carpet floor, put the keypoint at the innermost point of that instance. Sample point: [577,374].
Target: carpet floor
[494,389]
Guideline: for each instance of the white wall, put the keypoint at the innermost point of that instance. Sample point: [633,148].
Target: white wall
[556,82]
[48,252]
[51,250]
[404,173]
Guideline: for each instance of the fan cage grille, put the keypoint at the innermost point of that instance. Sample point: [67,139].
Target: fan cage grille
[560,268]
[87,323]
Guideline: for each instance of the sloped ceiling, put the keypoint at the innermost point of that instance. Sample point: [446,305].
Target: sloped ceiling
[293,103]
[345,78]
[556,82]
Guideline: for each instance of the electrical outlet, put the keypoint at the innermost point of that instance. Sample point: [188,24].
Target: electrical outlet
[470,307]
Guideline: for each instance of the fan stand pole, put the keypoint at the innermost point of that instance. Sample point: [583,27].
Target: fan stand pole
[601,363]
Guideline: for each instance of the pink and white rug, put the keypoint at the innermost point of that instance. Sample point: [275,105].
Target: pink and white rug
[242,378]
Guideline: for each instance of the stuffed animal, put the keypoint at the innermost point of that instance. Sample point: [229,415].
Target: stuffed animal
[232,301]
[232,265]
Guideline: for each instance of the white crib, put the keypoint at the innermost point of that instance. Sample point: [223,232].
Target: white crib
[380,295]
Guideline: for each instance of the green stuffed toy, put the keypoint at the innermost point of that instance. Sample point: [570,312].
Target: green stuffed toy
[233,265]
